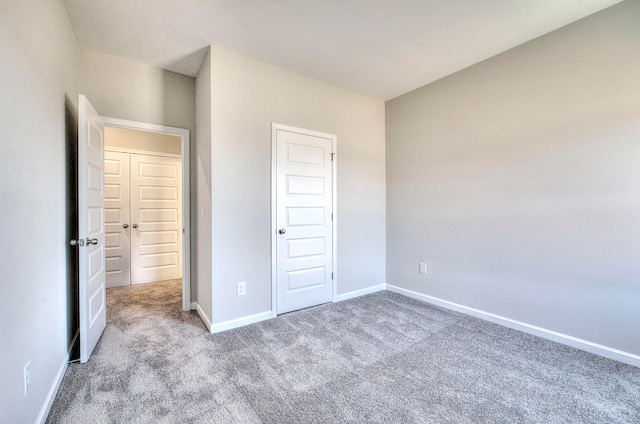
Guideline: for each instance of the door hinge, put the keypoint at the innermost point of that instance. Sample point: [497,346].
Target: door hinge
[332,155]
[332,216]
[332,275]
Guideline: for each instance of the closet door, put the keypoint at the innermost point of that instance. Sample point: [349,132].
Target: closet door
[156,216]
[117,219]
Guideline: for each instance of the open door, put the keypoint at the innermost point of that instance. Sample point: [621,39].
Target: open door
[90,242]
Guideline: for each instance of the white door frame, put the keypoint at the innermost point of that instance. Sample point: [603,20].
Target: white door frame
[274,225]
[186,211]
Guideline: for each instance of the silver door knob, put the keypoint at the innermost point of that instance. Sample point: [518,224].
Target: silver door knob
[92,241]
[75,242]
[135,225]
[282,231]
[125,225]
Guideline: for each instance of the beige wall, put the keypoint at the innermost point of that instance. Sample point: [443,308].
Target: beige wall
[517,181]
[124,138]
[246,97]
[38,101]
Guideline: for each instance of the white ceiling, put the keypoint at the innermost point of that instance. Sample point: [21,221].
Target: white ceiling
[379,48]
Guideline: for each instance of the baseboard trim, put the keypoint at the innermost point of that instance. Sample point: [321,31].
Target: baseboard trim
[48,401]
[587,346]
[240,322]
[203,317]
[358,293]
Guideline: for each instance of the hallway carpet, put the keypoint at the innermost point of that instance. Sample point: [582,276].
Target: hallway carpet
[380,358]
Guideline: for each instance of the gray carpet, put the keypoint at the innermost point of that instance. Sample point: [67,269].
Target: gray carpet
[381,358]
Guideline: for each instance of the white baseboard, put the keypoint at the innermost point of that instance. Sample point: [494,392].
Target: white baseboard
[48,401]
[240,322]
[203,316]
[598,349]
[53,391]
[358,293]
[251,319]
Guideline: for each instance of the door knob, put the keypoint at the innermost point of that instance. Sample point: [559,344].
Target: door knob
[125,225]
[135,225]
[92,241]
[282,230]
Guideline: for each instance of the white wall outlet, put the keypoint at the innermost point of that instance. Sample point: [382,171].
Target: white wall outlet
[26,375]
[242,288]
[423,268]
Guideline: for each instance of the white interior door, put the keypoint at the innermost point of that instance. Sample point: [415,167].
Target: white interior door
[304,197]
[93,311]
[156,216]
[117,219]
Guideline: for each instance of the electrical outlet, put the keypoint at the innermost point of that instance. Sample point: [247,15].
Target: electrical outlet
[242,288]
[26,374]
[423,268]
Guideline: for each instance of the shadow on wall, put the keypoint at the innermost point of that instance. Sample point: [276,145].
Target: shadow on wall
[175,112]
[71,206]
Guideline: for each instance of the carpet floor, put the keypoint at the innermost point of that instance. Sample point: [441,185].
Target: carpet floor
[380,358]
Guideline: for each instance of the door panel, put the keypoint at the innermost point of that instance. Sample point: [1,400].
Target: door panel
[156,208]
[91,229]
[304,257]
[305,216]
[306,248]
[167,216]
[117,207]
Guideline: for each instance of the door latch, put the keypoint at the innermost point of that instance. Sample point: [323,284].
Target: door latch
[83,242]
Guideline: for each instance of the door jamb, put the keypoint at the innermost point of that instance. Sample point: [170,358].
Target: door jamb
[334,208]
[186,212]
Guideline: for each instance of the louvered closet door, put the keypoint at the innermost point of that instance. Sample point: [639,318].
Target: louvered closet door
[156,216]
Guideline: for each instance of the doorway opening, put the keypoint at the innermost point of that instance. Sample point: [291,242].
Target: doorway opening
[147,228]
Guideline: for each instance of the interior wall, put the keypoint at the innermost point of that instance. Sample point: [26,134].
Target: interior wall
[125,138]
[246,97]
[121,88]
[39,97]
[516,181]
[203,198]
[124,89]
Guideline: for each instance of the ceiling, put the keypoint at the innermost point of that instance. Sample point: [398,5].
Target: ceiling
[379,48]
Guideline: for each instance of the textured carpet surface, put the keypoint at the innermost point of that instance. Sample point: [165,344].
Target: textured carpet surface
[381,358]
